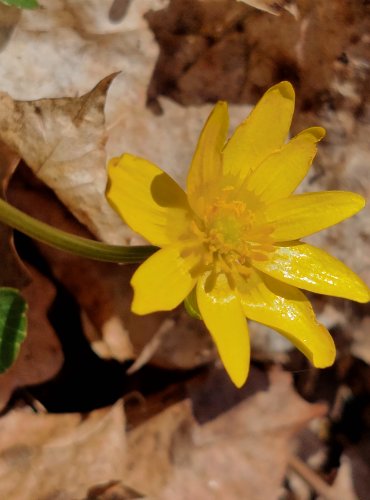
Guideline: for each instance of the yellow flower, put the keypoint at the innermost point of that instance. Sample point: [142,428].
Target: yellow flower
[234,237]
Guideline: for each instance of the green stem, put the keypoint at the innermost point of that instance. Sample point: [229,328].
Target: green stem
[76,245]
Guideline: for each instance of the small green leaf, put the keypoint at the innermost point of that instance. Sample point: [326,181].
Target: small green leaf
[13,325]
[22,4]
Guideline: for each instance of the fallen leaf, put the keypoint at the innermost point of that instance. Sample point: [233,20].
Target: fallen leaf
[343,486]
[353,473]
[360,346]
[9,17]
[108,44]
[221,443]
[62,141]
[13,272]
[114,490]
[40,356]
[60,456]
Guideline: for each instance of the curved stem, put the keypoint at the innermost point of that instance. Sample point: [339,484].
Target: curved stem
[74,244]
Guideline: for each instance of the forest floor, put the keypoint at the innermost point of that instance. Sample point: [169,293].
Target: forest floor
[103,404]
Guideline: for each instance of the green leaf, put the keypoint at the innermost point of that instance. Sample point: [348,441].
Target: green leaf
[13,325]
[22,4]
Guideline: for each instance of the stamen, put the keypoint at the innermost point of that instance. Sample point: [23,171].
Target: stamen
[229,239]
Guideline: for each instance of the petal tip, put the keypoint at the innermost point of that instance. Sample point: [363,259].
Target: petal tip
[363,295]
[318,133]
[358,201]
[221,112]
[222,104]
[325,357]
[238,376]
[285,88]
[324,362]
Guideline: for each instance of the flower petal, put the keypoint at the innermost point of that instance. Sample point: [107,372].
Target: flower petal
[315,270]
[304,214]
[280,174]
[206,167]
[264,131]
[287,310]
[223,315]
[163,281]
[148,199]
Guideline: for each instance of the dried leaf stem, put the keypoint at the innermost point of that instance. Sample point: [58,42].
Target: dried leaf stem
[71,243]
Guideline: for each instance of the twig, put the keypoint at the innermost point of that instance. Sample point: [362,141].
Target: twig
[311,477]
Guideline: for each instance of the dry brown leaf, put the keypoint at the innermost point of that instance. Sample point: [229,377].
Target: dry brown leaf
[114,490]
[40,356]
[60,456]
[352,481]
[13,272]
[360,346]
[343,486]
[239,439]
[62,141]
[9,17]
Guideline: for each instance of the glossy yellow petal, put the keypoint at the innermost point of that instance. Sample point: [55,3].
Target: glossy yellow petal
[315,270]
[223,315]
[206,168]
[163,281]
[148,199]
[287,310]
[280,174]
[263,132]
[304,214]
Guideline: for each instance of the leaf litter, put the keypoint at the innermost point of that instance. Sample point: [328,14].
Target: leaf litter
[181,436]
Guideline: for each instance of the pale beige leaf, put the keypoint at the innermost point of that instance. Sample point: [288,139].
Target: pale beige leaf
[221,443]
[62,141]
[60,456]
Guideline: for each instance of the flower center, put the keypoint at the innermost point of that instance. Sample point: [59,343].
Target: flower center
[230,239]
[225,226]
